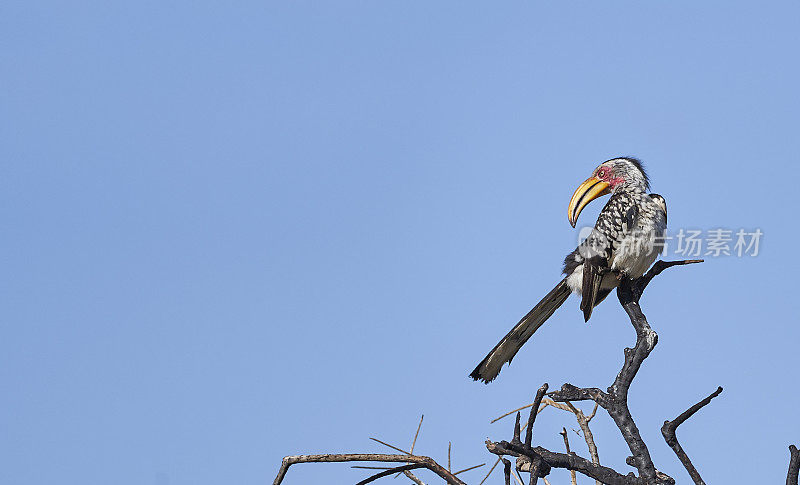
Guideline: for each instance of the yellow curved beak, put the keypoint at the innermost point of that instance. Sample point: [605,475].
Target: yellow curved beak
[591,189]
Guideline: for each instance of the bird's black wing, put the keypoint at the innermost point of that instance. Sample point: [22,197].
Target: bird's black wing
[593,270]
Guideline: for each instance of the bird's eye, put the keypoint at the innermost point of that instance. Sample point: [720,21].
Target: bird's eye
[601,173]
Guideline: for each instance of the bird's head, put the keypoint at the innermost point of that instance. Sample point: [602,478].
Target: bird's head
[615,175]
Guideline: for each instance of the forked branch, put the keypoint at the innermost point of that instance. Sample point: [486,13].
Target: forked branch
[614,399]
[794,465]
[669,428]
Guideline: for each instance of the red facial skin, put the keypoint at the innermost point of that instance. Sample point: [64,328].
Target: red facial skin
[604,174]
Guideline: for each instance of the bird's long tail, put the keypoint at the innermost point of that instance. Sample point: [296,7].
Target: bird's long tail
[508,347]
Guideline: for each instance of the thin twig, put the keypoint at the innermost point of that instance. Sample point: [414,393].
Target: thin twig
[411,452]
[671,426]
[419,426]
[390,446]
[449,445]
[668,431]
[573,477]
[413,477]
[594,411]
[468,469]
[557,405]
[491,470]
[583,422]
[657,269]
[545,403]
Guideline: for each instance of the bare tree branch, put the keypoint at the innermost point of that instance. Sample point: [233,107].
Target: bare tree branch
[629,292]
[534,411]
[656,270]
[560,460]
[572,476]
[539,461]
[669,428]
[582,419]
[424,461]
[794,465]
[583,422]
[407,472]
[568,392]
[537,467]
[614,399]
[413,477]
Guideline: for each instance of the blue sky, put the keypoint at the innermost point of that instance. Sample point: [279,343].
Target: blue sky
[233,232]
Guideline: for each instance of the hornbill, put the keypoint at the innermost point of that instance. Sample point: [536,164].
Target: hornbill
[626,239]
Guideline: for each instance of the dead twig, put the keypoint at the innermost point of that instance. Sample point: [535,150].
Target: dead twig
[794,465]
[413,477]
[390,446]
[534,411]
[572,475]
[406,471]
[668,431]
[562,460]
[614,401]
[545,403]
[583,422]
[419,426]
[581,418]
[449,445]
[491,470]
[468,469]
